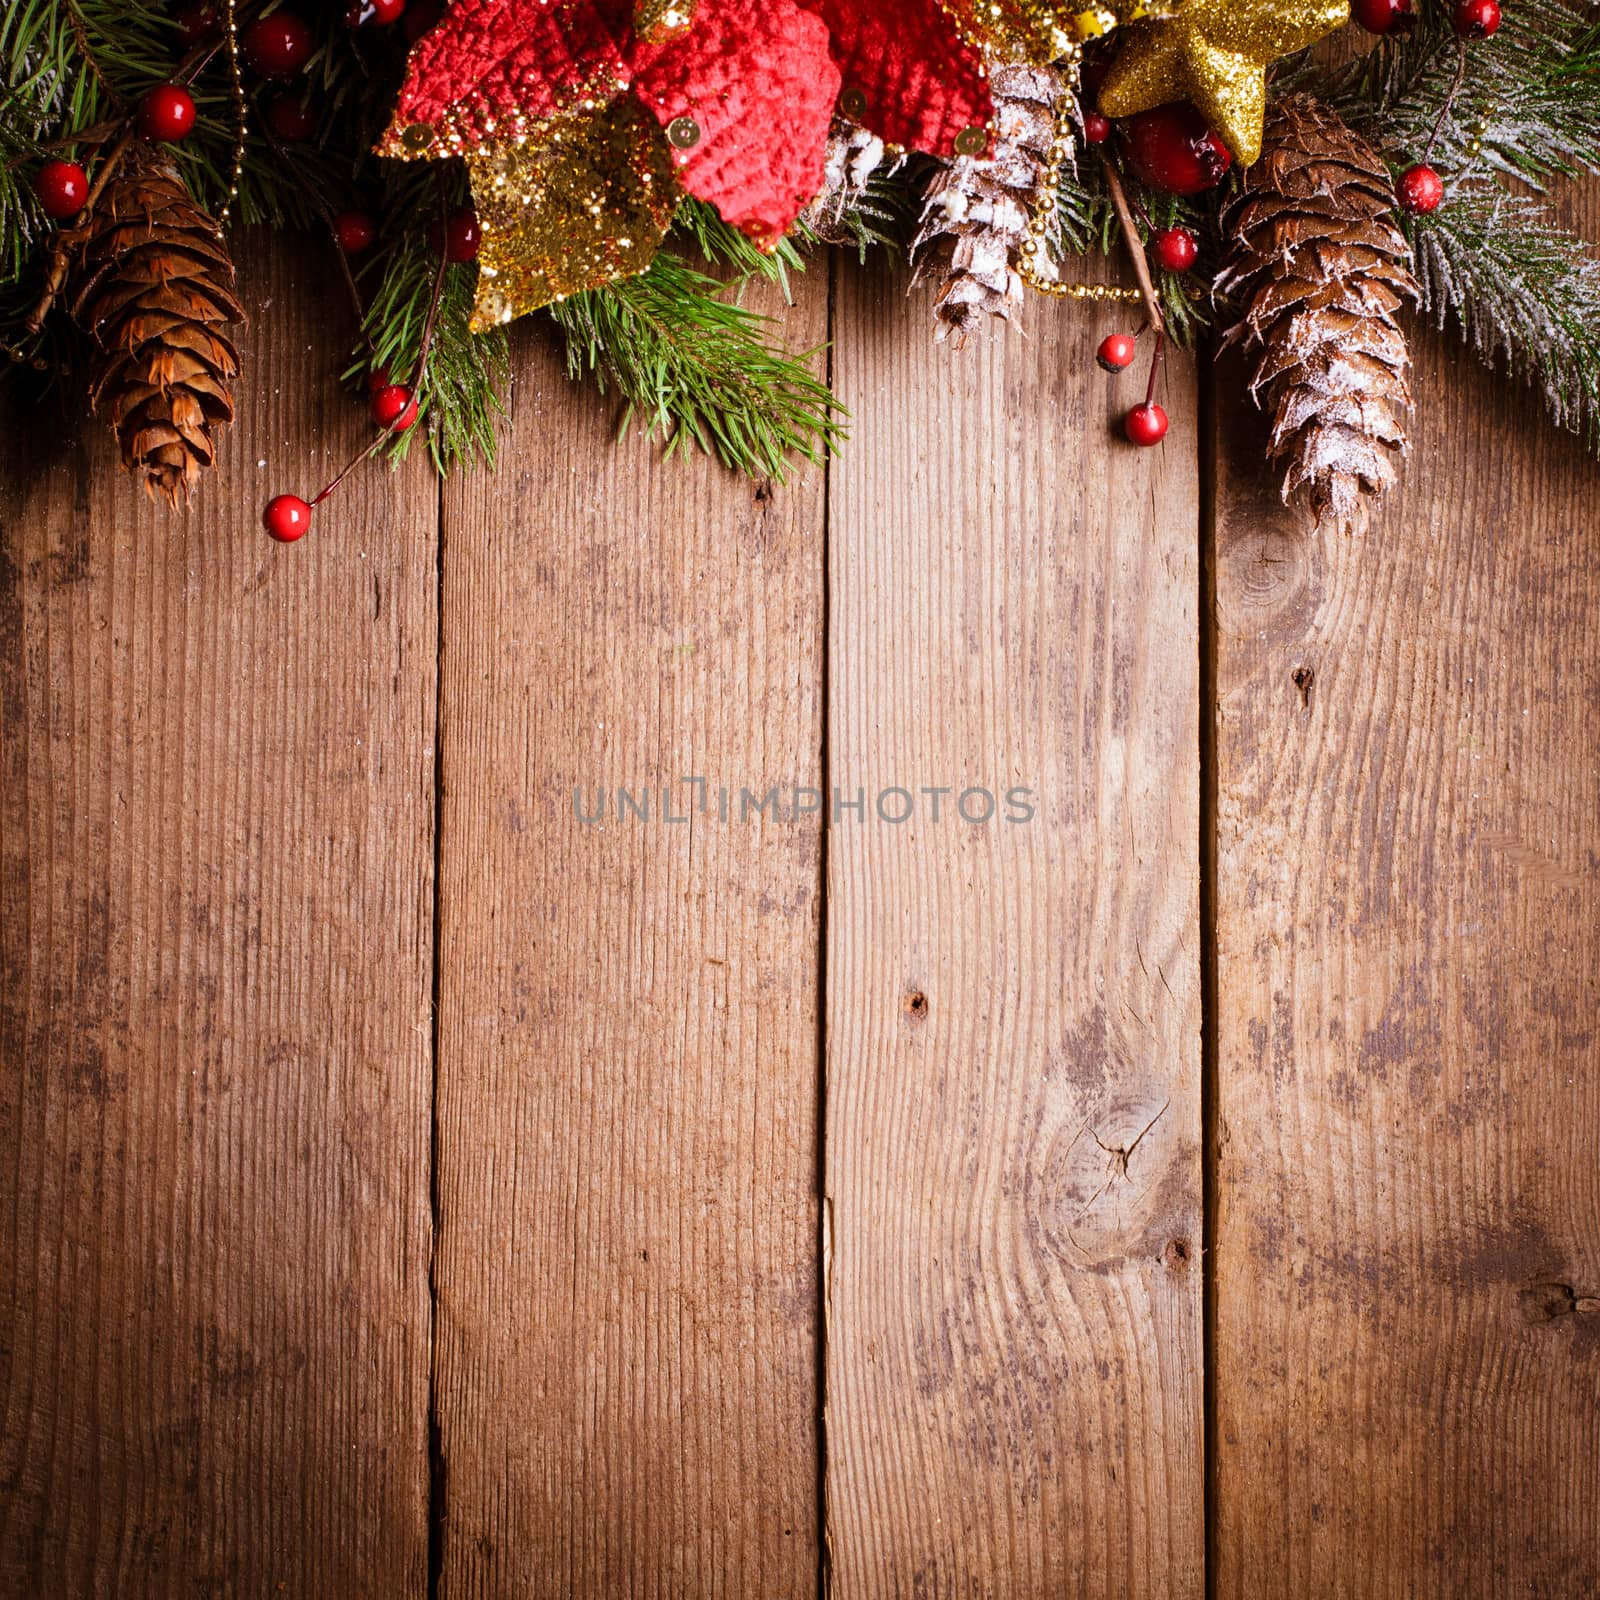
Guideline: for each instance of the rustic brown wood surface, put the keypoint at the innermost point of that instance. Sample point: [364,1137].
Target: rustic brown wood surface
[216,864]
[1407,1353]
[311,1286]
[627,1341]
[1013,1006]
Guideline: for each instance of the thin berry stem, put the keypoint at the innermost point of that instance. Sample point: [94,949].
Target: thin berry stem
[1449,100]
[1155,366]
[1130,234]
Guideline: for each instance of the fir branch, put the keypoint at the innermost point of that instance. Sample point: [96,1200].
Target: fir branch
[459,388]
[1529,98]
[695,368]
[722,245]
[1524,291]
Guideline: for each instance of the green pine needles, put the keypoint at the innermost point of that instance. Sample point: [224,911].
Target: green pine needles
[1502,120]
[694,367]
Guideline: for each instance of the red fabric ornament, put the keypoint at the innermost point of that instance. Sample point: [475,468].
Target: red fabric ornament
[920,83]
[745,94]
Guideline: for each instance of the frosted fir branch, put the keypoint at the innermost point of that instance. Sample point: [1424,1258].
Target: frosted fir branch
[1529,97]
[1525,292]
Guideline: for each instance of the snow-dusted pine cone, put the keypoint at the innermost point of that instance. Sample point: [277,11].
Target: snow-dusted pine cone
[1320,269]
[854,157]
[975,210]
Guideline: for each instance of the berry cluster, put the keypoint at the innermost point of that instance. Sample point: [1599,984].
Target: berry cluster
[1419,188]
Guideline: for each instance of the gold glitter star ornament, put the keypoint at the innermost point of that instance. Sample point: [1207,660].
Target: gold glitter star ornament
[1215,53]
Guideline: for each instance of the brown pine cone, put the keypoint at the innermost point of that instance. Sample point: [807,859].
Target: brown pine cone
[153,287]
[1320,269]
[975,209]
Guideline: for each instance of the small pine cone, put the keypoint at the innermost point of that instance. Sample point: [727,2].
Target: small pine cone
[1320,270]
[975,210]
[154,288]
[853,157]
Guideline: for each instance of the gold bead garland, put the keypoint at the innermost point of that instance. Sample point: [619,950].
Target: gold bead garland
[1035,244]
[239,111]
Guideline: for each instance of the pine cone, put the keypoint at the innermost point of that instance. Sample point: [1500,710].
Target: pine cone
[154,288]
[1320,269]
[854,157]
[975,209]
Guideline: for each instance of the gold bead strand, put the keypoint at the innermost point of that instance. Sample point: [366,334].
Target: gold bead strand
[239,112]
[1040,223]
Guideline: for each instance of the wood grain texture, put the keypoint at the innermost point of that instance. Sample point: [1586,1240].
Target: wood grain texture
[215,953]
[628,1070]
[1013,1132]
[1408,949]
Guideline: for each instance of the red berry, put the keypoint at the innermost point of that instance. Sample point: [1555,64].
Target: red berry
[1171,148]
[393,408]
[420,16]
[355,231]
[198,23]
[1176,249]
[166,113]
[1419,190]
[380,13]
[279,45]
[377,379]
[1116,351]
[287,518]
[1384,16]
[1477,19]
[461,235]
[1096,128]
[292,120]
[62,187]
[1145,424]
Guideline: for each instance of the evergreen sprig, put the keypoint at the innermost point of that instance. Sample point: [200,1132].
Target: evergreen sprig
[1528,105]
[695,367]
[1525,291]
[465,374]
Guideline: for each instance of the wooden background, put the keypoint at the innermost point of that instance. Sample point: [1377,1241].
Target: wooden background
[410,1189]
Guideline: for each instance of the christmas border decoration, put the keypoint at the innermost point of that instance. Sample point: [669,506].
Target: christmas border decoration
[596,161]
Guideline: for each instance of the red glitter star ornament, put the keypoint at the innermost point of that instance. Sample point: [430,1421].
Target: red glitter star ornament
[543,99]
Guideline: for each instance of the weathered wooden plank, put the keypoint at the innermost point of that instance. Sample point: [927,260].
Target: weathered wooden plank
[215,963]
[628,1063]
[1013,1128]
[1408,949]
